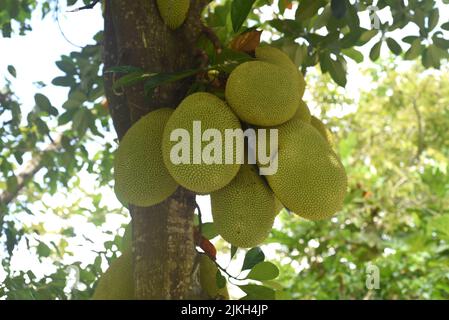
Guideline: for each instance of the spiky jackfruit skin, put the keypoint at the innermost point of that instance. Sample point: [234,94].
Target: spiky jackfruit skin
[244,211]
[141,178]
[208,280]
[278,57]
[310,181]
[278,206]
[173,12]
[303,112]
[262,93]
[323,130]
[213,113]
[117,283]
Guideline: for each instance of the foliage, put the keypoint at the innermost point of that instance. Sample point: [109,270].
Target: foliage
[397,212]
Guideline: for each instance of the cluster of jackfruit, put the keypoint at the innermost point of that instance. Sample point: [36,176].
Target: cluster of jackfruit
[263,93]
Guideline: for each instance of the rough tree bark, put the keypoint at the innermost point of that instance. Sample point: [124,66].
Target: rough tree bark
[135,35]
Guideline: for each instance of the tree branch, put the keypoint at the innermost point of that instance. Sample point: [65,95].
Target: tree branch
[86,7]
[24,177]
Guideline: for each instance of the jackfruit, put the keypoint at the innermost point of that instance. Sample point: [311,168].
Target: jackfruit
[323,130]
[278,206]
[191,170]
[117,283]
[244,211]
[173,12]
[262,93]
[303,112]
[141,178]
[278,57]
[208,279]
[310,181]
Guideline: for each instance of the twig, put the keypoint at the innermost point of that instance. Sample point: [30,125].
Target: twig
[210,34]
[86,7]
[200,218]
[60,28]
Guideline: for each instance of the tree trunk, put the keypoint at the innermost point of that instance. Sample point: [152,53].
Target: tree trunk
[135,35]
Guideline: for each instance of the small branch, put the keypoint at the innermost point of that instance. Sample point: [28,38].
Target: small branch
[200,217]
[60,27]
[210,34]
[31,168]
[86,7]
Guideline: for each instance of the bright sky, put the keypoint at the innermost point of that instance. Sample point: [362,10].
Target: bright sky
[34,57]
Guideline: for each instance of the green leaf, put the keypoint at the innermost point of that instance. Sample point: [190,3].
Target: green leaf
[240,10]
[375,51]
[445,26]
[367,36]
[336,68]
[132,78]
[308,8]
[80,121]
[415,50]
[67,66]
[44,104]
[264,271]
[63,81]
[419,18]
[253,257]
[440,42]
[209,230]
[394,46]
[43,250]
[339,8]
[123,69]
[409,39]
[164,78]
[67,116]
[12,71]
[354,54]
[256,292]
[221,281]
[432,56]
[434,17]
[42,127]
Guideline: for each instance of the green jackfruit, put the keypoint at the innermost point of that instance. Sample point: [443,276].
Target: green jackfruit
[323,130]
[278,57]
[310,181]
[244,211]
[141,178]
[117,283]
[195,173]
[303,112]
[262,93]
[208,279]
[173,12]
